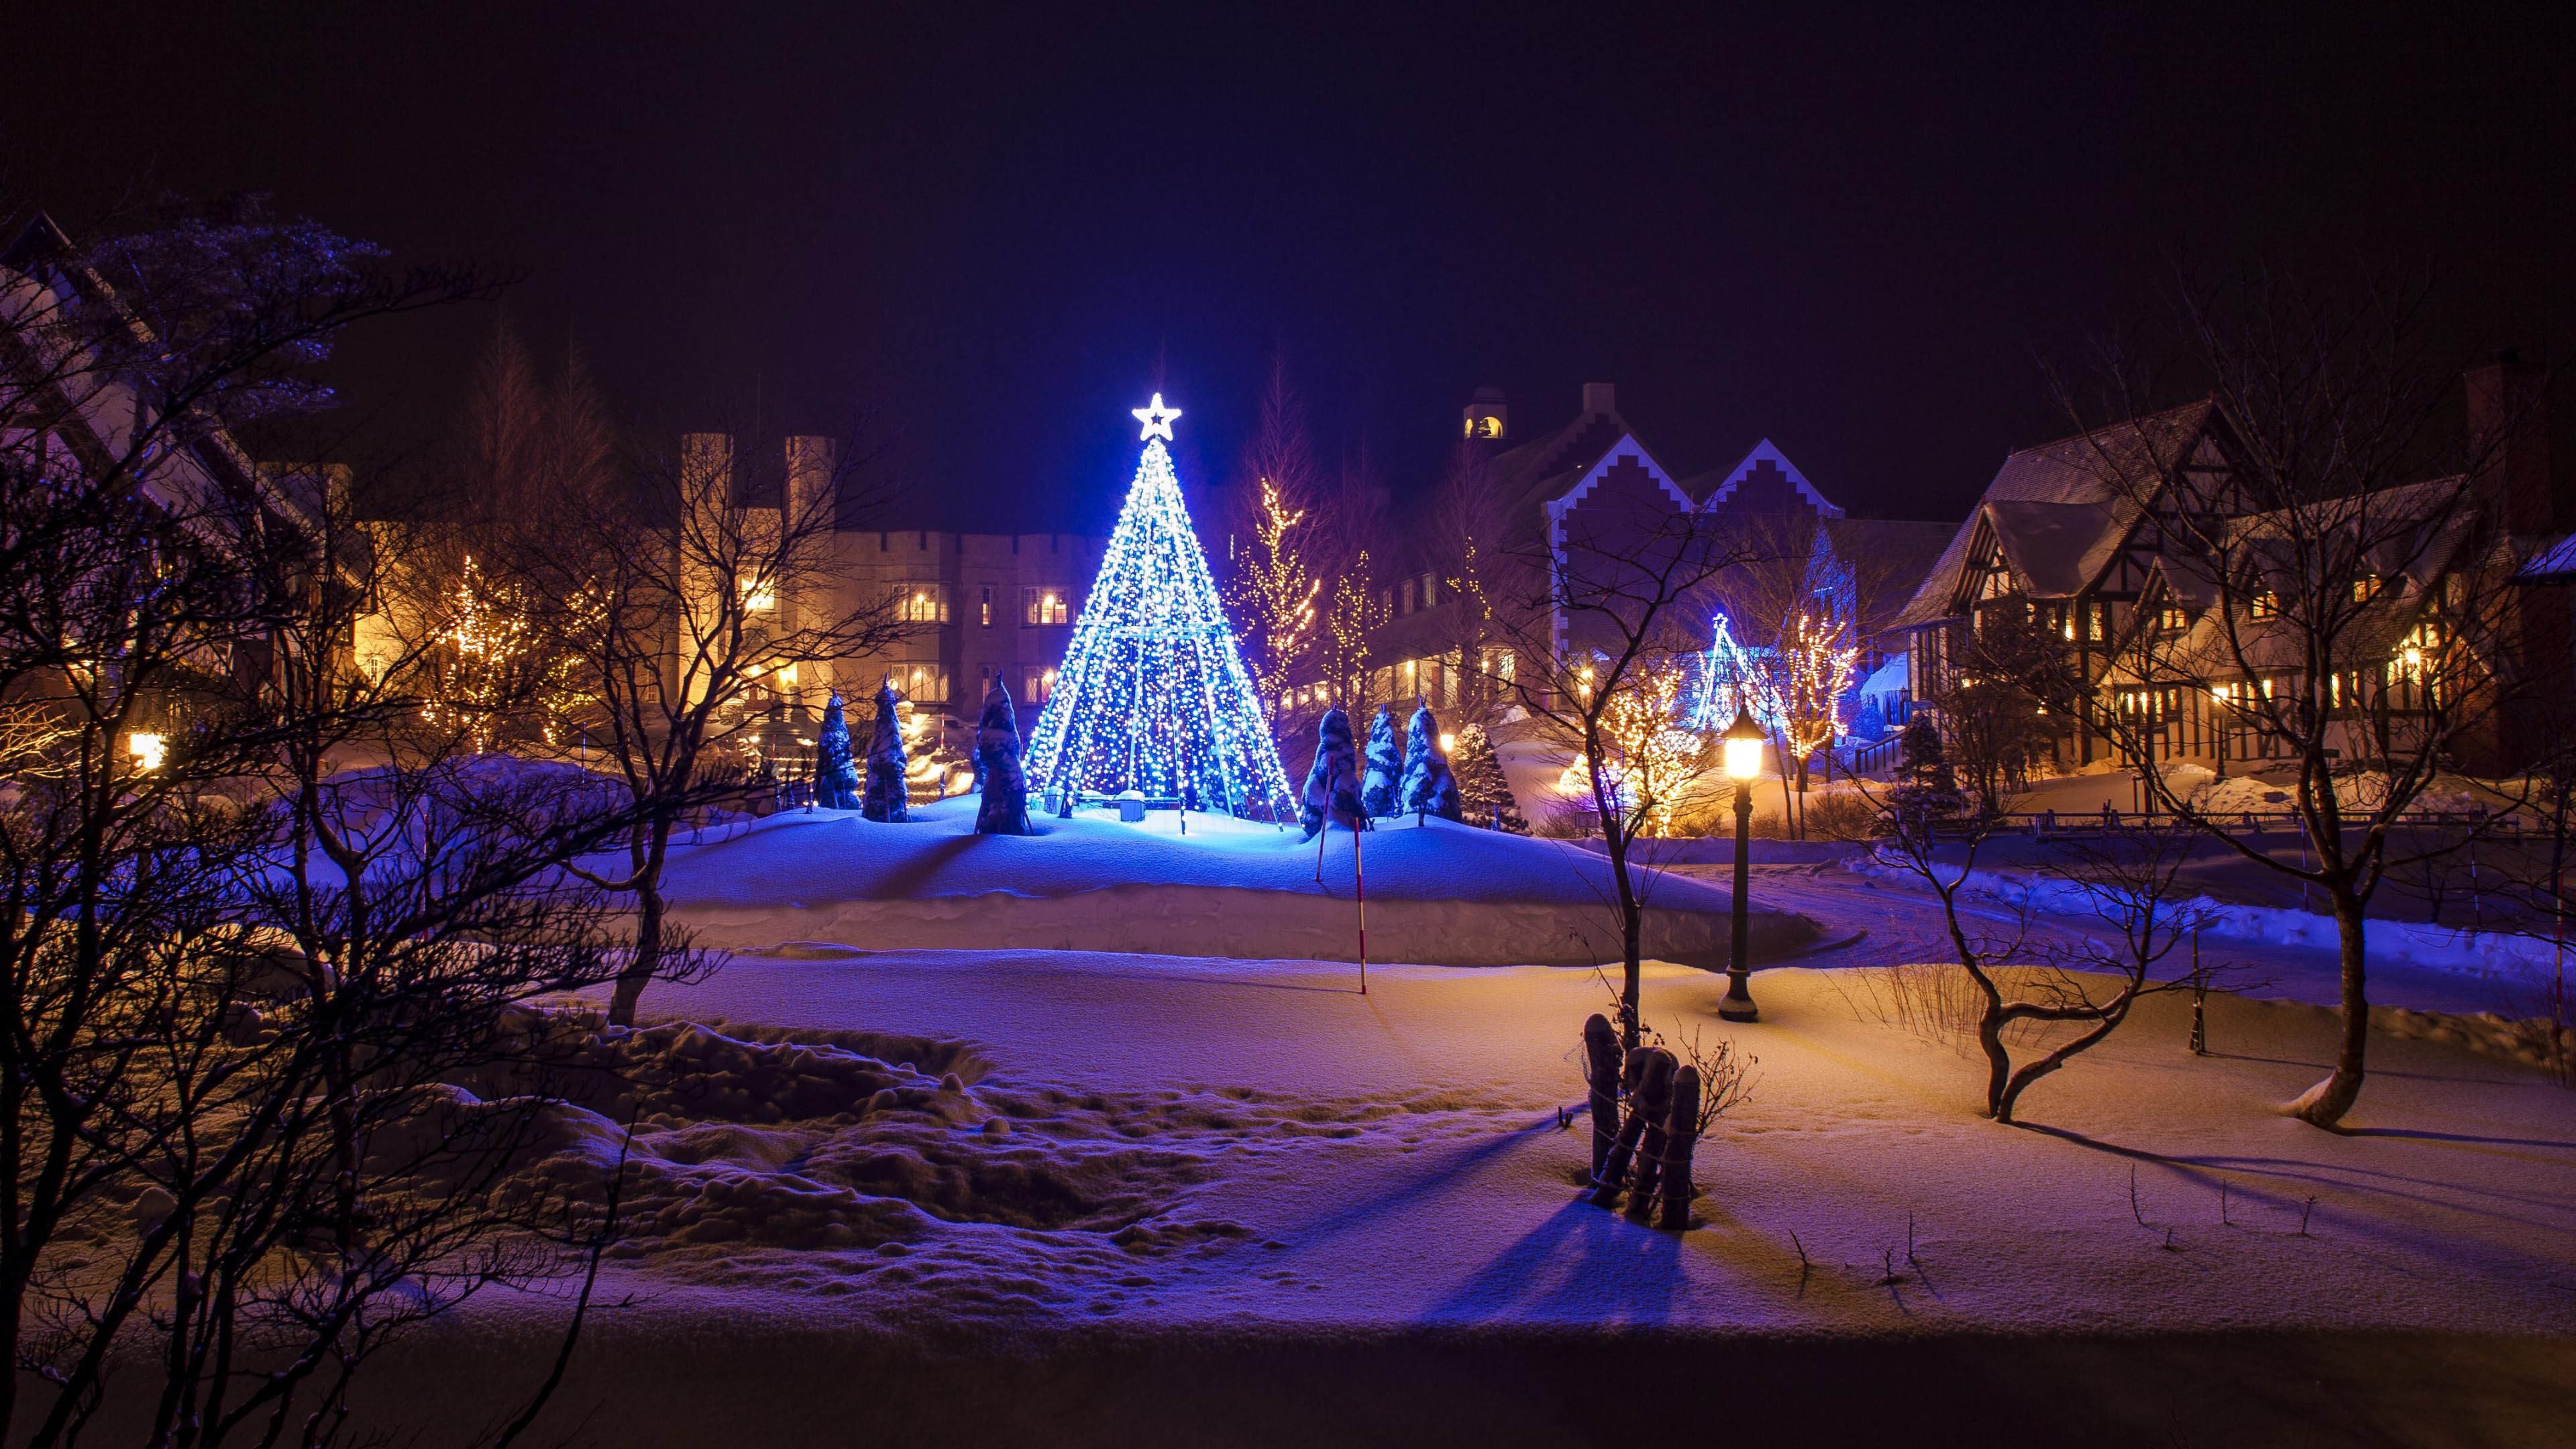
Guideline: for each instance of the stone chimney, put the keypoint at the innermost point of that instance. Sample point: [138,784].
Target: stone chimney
[2509,440]
[810,484]
[1600,397]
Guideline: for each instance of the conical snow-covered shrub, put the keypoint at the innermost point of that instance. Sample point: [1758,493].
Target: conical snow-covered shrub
[1926,787]
[1429,787]
[1380,789]
[836,774]
[1003,807]
[886,797]
[1333,785]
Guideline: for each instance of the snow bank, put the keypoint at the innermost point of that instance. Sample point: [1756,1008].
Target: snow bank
[1437,893]
[2403,943]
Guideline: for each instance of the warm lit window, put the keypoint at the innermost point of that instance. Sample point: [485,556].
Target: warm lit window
[2264,605]
[2363,588]
[1037,685]
[988,606]
[2173,620]
[1044,606]
[921,603]
[921,681]
[757,597]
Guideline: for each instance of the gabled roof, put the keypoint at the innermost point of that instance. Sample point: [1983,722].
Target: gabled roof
[2421,533]
[2091,484]
[1543,468]
[1622,448]
[1716,489]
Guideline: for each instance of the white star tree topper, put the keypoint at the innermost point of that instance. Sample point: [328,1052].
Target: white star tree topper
[1157,420]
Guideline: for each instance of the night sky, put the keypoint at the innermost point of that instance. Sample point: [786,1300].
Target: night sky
[1854,235]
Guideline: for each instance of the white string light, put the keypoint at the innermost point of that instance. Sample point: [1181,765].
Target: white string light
[1153,695]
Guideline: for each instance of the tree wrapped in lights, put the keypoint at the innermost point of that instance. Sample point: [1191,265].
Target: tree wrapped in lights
[1812,669]
[491,672]
[1650,751]
[1153,695]
[1485,793]
[1275,591]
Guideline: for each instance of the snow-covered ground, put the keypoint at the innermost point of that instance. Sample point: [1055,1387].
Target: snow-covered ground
[1083,1149]
[1436,892]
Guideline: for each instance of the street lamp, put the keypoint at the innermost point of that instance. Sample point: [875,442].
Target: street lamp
[1743,743]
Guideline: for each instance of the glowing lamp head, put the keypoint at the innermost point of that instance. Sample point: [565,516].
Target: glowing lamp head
[1448,742]
[1743,741]
[148,750]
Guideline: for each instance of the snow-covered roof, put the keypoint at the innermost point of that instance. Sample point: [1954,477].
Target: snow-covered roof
[2088,490]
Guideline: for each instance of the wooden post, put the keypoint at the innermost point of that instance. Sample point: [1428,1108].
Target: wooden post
[1679,1138]
[1601,1073]
[2199,1001]
[1655,1104]
[1645,1065]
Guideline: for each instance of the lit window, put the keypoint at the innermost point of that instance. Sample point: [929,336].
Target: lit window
[921,603]
[147,750]
[923,681]
[1043,606]
[988,606]
[758,598]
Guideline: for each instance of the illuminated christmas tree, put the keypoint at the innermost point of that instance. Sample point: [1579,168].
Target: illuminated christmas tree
[1153,695]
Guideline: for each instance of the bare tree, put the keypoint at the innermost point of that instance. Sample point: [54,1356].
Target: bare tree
[2331,603]
[2000,705]
[694,603]
[1485,577]
[234,971]
[2124,880]
[1623,600]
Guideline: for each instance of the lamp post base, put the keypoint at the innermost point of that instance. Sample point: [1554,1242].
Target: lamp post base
[1737,1004]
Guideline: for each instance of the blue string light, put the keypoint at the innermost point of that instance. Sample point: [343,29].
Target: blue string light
[1152,695]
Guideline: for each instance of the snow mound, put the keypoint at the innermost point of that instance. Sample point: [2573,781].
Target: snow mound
[802,883]
[768,1155]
